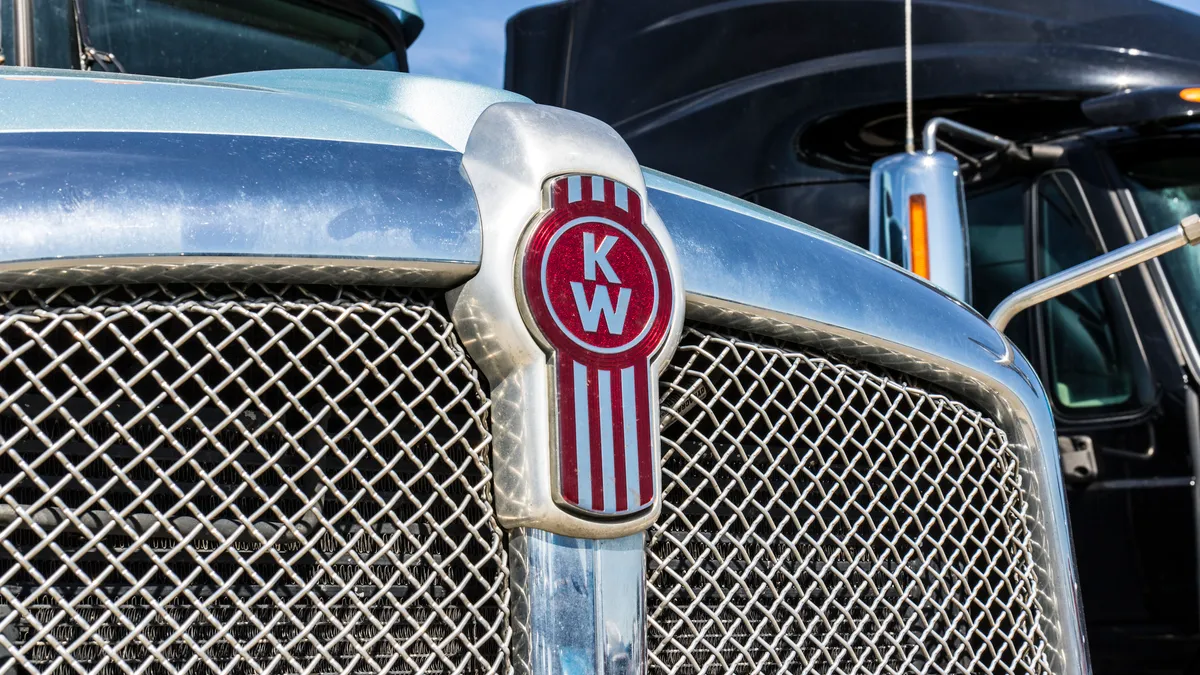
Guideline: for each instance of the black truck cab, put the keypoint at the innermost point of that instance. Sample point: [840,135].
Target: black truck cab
[1118,358]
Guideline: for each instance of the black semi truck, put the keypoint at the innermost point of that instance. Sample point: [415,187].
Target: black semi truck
[789,103]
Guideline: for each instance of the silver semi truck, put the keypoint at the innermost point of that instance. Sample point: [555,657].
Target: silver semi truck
[362,372]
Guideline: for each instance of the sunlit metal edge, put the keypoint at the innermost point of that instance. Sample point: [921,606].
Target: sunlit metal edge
[28,274]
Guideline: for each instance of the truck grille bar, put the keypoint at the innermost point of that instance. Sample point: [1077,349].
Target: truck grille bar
[823,517]
[244,479]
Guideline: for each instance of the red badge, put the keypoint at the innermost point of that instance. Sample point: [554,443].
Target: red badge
[599,292]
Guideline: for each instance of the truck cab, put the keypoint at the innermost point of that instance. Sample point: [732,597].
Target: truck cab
[182,38]
[1117,357]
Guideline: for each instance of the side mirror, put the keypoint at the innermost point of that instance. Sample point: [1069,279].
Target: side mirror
[919,220]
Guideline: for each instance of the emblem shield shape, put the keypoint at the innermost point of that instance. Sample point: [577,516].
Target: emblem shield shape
[575,309]
[598,295]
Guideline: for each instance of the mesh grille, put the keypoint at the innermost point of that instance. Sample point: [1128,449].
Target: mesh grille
[824,518]
[227,479]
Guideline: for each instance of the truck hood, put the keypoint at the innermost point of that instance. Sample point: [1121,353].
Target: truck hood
[356,177]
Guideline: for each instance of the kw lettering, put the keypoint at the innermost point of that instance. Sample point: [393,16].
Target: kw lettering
[601,303]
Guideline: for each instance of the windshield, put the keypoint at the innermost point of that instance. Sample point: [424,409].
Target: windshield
[200,38]
[1165,180]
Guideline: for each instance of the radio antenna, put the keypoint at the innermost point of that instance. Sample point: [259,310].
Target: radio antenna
[909,137]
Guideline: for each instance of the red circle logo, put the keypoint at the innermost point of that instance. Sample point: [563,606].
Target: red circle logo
[596,280]
[589,300]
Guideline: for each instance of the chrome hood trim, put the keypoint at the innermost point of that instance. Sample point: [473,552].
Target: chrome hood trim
[76,207]
[357,106]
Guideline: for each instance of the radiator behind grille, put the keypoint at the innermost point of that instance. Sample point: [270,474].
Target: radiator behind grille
[204,479]
[820,517]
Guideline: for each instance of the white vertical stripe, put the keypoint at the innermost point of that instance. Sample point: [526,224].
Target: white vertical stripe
[633,482]
[574,188]
[607,453]
[597,189]
[583,450]
[621,196]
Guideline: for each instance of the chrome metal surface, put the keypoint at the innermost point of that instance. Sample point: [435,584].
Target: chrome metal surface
[777,278]
[823,517]
[579,604]
[232,268]
[202,479]
[23,33]
[81,203]
[513,149]
[930,132]
[894,181]
[1143,483]
[445,108]
[53,100]
[1187,232]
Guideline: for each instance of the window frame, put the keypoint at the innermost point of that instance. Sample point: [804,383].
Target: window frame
[1121,320]
[377,19]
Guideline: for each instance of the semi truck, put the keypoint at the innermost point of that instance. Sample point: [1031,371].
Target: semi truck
[352,371]
[1055,131]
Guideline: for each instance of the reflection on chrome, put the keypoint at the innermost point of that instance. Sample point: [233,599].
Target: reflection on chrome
[580,604]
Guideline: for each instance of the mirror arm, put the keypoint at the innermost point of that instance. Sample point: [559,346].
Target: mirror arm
[1021,152]
[23,35]
[930,132]
[1186,232]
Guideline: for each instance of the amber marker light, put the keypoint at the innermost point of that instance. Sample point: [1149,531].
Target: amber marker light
[1191,94]
[918,235]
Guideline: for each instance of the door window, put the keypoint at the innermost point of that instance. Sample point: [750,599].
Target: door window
[998,233]
[1086,366]
[1083,362]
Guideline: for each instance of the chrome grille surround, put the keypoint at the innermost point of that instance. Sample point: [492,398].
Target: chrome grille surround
[243,478]
[825,517]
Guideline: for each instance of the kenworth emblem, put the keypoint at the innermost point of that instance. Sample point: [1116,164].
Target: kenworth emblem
[597,289]
[575,310]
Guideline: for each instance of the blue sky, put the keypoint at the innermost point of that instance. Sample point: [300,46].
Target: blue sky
[1191,5]
[464,39]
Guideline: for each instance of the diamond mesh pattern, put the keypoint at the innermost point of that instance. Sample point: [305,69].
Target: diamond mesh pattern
[204,479]
[822,518]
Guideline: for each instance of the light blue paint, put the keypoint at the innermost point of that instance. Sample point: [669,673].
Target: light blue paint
[341,105]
